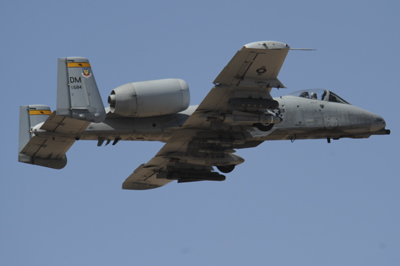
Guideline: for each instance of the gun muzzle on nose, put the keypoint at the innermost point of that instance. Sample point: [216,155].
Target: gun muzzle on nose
[377,123]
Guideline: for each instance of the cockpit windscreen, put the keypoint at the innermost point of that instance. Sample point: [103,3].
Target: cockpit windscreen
[320,94]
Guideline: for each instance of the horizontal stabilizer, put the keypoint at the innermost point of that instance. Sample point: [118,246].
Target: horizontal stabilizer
[61,124]
[43,151]
[48,151]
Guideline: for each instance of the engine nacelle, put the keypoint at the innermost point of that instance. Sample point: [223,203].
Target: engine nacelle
[150,98]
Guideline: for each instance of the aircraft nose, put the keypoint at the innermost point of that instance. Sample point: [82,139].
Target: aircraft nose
[377,123]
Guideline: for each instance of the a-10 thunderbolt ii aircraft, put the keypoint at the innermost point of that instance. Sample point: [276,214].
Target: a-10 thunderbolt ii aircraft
[238,113]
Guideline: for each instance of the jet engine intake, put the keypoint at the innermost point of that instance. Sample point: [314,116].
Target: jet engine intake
[150,98]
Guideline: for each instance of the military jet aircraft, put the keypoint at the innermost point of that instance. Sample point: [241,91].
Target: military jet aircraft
[237,113]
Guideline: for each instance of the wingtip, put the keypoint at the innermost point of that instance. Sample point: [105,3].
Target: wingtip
[267,45]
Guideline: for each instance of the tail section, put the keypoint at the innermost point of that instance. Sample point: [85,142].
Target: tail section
[45,137]
[77,94]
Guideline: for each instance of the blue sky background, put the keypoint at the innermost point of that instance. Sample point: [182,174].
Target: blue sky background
[301,203]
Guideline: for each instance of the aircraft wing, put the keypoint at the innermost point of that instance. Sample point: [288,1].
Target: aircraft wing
[169,164]
[251,73]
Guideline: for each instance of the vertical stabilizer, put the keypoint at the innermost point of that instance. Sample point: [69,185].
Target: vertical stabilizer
[77,94]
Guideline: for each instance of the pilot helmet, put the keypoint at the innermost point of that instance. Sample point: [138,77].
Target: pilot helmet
[314,95]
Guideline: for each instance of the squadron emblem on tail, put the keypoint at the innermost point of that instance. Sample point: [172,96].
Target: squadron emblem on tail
[86,72]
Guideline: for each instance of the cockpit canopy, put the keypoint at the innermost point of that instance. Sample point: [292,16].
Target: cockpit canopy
[319,94]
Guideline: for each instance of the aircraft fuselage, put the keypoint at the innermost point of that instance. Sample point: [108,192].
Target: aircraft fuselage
[302,118]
